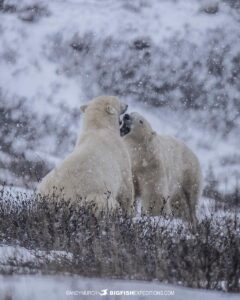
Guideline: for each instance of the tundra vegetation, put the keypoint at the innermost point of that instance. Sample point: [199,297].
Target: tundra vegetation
[117,246]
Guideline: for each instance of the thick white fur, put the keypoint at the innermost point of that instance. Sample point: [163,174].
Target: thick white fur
[98,170]
[167,174]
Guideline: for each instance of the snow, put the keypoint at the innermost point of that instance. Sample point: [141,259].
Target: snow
[65,287]
[36,65]
[14,193]
[11,252]
[23,255]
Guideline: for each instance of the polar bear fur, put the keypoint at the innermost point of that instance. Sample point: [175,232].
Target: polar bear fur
[98,170]
[167,174]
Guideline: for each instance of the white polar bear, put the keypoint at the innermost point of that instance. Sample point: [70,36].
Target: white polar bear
[167,174]
[99,169]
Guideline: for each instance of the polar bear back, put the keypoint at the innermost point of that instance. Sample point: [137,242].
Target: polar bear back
[180,165]
[81,173]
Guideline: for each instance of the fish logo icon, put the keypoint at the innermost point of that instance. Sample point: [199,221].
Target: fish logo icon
[103,292]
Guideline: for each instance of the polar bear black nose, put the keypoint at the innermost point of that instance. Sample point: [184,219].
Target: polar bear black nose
[126,117]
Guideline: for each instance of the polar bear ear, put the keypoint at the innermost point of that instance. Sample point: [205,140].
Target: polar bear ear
[83,108]
[110,110]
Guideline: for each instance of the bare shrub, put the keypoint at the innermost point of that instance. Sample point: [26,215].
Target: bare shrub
[117,246]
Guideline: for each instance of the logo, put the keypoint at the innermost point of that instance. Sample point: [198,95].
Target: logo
[106,292]
[103,292]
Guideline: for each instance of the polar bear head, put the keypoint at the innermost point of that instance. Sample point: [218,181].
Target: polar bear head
[103,112]
[136,127]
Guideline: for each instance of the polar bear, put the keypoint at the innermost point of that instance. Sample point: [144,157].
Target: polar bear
[98,170]
[167,174]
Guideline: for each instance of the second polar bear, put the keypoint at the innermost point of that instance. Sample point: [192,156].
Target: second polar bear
[167,175]
[98,170]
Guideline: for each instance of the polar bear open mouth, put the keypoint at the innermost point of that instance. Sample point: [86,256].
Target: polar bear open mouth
[125,126]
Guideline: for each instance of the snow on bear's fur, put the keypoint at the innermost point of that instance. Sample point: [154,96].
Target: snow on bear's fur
[98,170]
[167,174]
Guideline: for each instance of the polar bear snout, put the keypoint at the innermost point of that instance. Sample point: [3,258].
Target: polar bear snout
[126,126]
[126,117]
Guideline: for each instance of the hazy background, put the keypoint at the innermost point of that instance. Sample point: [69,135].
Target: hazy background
[177,62]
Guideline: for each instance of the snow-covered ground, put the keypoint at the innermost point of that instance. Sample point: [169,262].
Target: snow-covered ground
[23,255]
[20,260]
[68,287]
[205,206]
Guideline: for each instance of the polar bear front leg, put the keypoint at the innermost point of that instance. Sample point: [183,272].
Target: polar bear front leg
[156,205]
[126,197]
[102,203]
[155,200]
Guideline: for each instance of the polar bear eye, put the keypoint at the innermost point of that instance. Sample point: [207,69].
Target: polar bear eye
[140,121]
